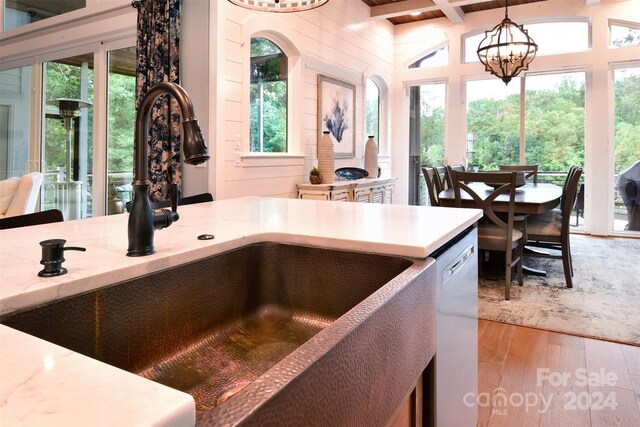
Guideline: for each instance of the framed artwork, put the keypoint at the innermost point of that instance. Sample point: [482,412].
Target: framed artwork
[337,114]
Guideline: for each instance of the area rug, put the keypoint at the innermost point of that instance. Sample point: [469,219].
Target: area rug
[604,302]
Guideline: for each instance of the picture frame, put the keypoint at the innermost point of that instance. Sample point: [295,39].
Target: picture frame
[337,114]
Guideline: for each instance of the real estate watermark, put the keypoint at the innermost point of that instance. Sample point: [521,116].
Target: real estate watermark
[500,401]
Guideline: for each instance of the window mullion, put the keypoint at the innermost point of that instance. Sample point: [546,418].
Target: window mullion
[522,119]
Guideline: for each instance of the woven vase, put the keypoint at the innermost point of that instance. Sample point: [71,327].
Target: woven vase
[371,157]
[326,158]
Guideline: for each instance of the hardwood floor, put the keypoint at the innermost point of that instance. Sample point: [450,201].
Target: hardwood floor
[530,377]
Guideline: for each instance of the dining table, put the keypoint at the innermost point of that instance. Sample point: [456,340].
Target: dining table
[530,199]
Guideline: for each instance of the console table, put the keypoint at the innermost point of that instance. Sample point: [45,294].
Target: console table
[374,190]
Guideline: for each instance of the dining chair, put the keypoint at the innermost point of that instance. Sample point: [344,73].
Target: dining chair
[434,185]
[495,232]
[529,170]
[550,230]
[447,176]
[441,172]
[36,218]
[189,200]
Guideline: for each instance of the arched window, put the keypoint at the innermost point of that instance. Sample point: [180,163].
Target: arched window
[552,38]
[372,119]
[436,58]
[623,34]
[268,94]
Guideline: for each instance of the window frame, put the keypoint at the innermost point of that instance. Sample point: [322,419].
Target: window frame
[244,156]
[287,94]
[522,80]
[529,22]
[620,23]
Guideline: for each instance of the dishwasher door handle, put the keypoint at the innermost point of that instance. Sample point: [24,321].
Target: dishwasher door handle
[457,264]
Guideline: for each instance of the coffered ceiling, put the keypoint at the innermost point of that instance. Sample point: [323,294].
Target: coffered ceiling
[400,11]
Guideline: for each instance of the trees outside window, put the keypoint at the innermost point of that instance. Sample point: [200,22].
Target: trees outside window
[554,121]
[372,117]
[268,97]
[622,35]
[72,78]
[554,115]
[493,123]
[426,135]
[121,114]
[627,141]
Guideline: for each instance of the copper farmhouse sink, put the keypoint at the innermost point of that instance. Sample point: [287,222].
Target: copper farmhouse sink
[267,334]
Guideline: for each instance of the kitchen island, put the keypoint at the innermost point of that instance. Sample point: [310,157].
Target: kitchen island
[44,383]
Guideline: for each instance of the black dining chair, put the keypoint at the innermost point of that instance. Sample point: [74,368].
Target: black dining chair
[530,171]
[550,230]
[433,183]
[189,200]
[36,218]
[496,231]
[447,177]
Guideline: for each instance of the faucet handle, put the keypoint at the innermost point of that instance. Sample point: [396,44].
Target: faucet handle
[163,218]
[175,195]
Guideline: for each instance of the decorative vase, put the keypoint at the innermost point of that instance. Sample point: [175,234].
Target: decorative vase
[326,158]
[371,157]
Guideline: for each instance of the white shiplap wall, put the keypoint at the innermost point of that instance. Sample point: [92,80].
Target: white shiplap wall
[338,40]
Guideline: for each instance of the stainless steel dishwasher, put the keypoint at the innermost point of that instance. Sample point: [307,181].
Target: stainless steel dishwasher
[452,375]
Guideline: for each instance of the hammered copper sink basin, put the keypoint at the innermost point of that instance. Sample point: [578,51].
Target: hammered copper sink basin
[267,334]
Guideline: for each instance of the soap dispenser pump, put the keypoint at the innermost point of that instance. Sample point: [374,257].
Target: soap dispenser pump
[52,257]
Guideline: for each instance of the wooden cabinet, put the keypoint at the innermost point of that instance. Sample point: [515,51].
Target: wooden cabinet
[410,411]
[376,190]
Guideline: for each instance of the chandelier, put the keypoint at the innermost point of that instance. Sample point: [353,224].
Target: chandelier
[507,49]
[279,5]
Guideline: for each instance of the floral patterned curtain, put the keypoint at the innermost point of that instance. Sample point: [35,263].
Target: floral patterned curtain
[158,60]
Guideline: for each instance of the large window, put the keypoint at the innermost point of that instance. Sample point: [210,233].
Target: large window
[67,146]
[626,208]
[63,147]
[426,135]
[120,127]
[437,58]
[554,121]
[623,35]
[268,97]
[493,123]
[554,125]
[15,104]
[552,38]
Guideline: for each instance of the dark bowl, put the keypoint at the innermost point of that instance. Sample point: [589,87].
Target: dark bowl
[351,173]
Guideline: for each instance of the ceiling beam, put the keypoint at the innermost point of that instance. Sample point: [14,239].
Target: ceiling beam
[392,10]
[450,8]
[454,13]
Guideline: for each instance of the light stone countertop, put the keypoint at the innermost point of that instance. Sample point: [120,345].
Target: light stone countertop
[41,383]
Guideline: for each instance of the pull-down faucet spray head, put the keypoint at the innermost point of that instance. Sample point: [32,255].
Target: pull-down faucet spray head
[142,219]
